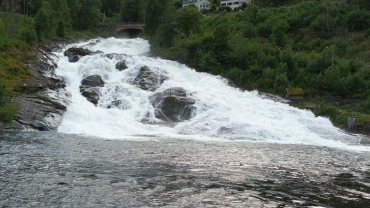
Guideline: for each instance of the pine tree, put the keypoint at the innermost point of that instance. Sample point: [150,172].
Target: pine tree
[61,32]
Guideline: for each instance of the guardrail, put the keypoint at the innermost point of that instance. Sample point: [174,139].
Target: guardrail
[131,23]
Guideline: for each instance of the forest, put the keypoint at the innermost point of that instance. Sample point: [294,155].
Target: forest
[321,46]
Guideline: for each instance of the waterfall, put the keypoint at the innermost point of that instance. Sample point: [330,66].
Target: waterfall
[222,112]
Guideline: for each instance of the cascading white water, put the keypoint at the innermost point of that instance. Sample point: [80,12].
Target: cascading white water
[222,111]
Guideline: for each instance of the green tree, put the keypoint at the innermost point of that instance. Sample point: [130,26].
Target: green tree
[74,6]
[88,15]
[166,31]
[61,32]
[189,19]
[153,13]
[27,30]
[278,32]
[281,83]
[42,24]
[63,14]
[132,11]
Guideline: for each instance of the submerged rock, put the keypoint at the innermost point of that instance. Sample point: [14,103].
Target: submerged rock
[149,80]
[173,105]
[89,88]
[121,65]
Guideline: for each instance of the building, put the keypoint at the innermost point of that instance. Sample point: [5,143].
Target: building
[233,3]
[294,94]
[200,4]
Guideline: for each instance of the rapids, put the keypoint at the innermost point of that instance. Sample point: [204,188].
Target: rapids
[222,112]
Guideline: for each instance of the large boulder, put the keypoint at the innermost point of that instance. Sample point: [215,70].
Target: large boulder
[173,105]
[93,81]
[89,88]
[148,80]
[121,65]
[74,54]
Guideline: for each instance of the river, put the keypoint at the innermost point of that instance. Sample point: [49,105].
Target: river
[239,149]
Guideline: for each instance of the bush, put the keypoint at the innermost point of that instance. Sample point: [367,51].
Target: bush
[8,112]
[227,9]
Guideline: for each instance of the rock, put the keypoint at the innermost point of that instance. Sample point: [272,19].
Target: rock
[110,55]
[43,110]
[173,105]
[77,51]
[74,54]
[73,59]
[11,126]
[116,55]
[89,88]
[93,81]
[148,80]
[121,65]
[91,94]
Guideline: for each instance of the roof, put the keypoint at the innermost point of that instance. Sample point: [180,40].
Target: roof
[295,91]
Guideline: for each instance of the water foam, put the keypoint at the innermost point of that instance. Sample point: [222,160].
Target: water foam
[222,111]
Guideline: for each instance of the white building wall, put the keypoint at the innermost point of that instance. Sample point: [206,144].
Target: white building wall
[200,4]
[233,3]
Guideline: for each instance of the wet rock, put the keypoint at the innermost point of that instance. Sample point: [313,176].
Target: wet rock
[110,55]
[91,94]
[149,80]
[42,110]
[89,88]
[173,105]
[93,81]
[74,54]
[74,59]
[77,51]
[121,65]
[11,126]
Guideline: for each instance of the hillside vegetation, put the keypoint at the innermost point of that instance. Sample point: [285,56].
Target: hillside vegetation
[320,46]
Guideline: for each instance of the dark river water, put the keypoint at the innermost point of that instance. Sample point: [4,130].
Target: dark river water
[60,170]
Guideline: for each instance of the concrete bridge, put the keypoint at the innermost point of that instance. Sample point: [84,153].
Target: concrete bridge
[129,26]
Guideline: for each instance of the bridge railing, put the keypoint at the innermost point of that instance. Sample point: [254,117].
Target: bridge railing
[131,23]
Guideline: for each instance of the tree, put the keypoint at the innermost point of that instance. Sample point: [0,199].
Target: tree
[11,7]
[166,30]
[88,15]
[74,6]
[281,83]
[62,14]
[132,11]
[61,32]
[188,19]
[42,24]
[278,32]
[153,10]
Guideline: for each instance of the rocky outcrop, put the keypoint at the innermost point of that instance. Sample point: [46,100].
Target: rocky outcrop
[41,98]
[42,110]
[121,65]
[173,105]
[74,54]
[148,80]
[90,88]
